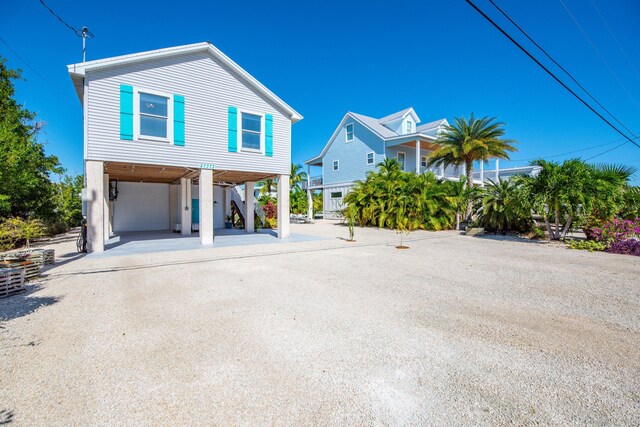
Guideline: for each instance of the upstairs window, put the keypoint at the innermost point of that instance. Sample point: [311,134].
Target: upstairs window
[423,161]
[409,126]
[154,115]
[370,158]
[349,136]
[251,132]
[335,165]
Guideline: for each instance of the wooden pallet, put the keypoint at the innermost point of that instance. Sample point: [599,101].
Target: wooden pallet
[37,255]
[11,281]
[31,269]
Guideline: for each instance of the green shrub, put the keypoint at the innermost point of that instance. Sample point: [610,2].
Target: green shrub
[271,223]
[588,245]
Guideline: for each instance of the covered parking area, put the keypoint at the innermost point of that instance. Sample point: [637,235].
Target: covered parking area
[133,199]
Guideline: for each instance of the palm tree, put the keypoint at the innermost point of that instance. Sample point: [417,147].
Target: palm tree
[297,175]
[504,207]
[459,196]
[468,141]
[267,186]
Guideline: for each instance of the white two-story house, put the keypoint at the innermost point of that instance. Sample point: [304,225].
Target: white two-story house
[169,133]
[360,143]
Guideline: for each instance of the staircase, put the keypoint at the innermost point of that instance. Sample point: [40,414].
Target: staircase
[237,203]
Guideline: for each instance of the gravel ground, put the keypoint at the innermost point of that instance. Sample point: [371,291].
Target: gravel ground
[454,331]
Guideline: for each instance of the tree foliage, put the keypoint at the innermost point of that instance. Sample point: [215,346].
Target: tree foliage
[401,200]
[26,189]
[467,141]
[505,207]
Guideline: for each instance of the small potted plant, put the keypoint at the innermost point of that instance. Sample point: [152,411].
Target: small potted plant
[228,224]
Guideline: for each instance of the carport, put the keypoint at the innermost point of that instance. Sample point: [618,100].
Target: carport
[132,199]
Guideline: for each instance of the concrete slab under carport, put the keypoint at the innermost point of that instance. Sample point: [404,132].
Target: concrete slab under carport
[148,242]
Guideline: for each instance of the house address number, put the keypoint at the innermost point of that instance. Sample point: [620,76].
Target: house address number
[206,166]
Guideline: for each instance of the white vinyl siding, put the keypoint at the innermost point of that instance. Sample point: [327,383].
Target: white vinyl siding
[208,89]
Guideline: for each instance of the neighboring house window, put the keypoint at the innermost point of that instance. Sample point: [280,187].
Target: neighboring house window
[336,194]
[401,159]
[370,158]
[335,165]
[251,132]
[409,126]
[154,115]
[423,161]
[350,132]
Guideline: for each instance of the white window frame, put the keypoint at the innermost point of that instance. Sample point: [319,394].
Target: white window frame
[373,158]
[136,115]
[335,165]
[336,198]
[346,132]
[261,150]
[409,126]
[423,161]
[404,162]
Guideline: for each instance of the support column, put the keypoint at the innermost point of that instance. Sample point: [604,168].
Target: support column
[417,156]
[310,205]
[482,173]
[185,206]
[442,171]
[107,232]
[95,205]
[284,229]
[205,188]
[497,170]
[249,207]
[227,202]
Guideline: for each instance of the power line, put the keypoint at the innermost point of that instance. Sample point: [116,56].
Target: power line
[572,152]
[606,24]
[27,64]
[606,151]
[606,63]
[559,66]
[79,33]
[550,73]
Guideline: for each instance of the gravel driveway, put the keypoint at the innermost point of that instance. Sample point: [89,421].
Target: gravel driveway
[454,331]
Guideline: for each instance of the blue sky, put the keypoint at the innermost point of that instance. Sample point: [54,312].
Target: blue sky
[325,58]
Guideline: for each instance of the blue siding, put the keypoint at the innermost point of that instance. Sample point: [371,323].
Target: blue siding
[351,155]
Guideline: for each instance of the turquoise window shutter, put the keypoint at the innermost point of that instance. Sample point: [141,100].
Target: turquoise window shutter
[126,112]
[178,120]
[268,135]
[233,129]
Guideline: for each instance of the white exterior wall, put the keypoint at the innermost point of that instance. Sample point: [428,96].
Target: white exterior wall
[141,207]
[209,89]
[332,206]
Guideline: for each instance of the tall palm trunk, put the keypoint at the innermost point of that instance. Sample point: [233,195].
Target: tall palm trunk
[469,172]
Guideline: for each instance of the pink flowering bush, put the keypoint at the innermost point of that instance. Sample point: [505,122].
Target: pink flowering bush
[620,236]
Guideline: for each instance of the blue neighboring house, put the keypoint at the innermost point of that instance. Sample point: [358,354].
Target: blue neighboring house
[360,142]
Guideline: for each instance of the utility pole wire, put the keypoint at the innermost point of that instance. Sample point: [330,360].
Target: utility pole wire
[484,15]
[559,66]
[75,30]
[27,64]
[606,24]
[574,151]
[606,63]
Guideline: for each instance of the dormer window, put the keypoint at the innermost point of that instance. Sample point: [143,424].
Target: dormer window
[409,126]
[349,135]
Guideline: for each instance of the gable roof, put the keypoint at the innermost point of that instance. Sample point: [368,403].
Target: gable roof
[78,71]
[376,126]
[399,115]
[432,125]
